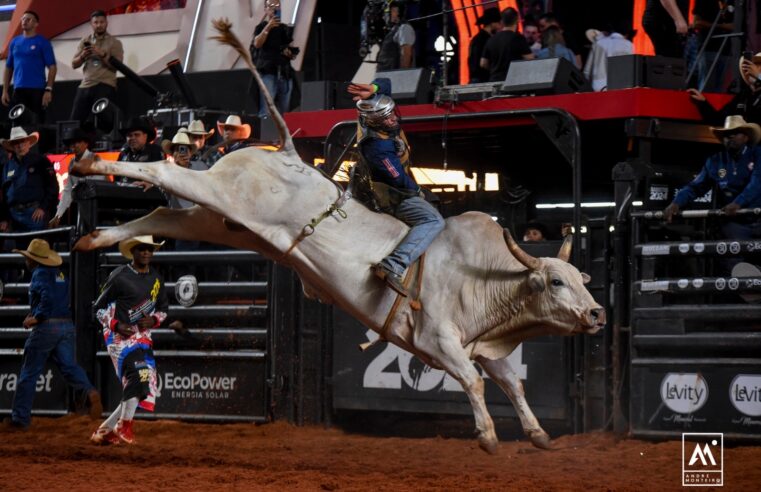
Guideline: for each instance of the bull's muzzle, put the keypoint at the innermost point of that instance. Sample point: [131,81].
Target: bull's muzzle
[595,319]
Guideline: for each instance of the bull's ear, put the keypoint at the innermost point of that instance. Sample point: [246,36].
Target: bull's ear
[585,278]
[536,282]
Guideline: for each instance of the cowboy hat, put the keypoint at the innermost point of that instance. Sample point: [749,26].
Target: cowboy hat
[756,60]
[39,251]
[17,135]
[140,124]
[234,121]
[196,128]
[737,123]
[126,246]
[180,138]
[490,15]
[71,135]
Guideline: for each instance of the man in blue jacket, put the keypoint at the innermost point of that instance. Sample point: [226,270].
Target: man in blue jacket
[735,172]
[384,147]
[53,334]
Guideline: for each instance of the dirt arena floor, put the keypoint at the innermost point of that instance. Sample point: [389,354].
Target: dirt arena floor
[56,455]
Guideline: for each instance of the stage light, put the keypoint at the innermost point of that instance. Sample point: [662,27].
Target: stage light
[107,119]
[20,115]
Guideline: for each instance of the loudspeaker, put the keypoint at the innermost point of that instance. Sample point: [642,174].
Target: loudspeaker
[409,85]
[547,76]
[325,94]
[317,95]
[658,72]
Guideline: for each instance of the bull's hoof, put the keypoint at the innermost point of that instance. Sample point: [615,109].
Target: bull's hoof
[86,243]
[540,439]
[488,444]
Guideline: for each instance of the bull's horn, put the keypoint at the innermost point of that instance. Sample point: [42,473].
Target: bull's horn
[526,259]
[565,249]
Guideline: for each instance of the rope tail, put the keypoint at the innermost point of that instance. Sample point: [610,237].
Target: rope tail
[226,36]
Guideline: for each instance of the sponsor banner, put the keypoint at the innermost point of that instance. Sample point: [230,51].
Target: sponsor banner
[52,394]
[385,377]
[202,386]
[697,397]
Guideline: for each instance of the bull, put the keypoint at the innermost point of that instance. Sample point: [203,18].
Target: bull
[480,294]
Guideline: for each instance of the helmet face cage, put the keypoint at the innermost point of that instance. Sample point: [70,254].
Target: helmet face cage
[373,112]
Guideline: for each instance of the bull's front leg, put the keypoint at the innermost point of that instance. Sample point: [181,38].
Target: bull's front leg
[502,373]
[446,351]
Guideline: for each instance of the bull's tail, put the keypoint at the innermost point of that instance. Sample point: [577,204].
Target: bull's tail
[226,36]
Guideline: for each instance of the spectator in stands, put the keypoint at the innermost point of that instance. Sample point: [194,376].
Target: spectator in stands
[665,24]
[605,44]
[29,184]
[488,24]
[79,142]
[736,174]
[198,136]
[272,52]
[235,134]
[504,47]
[397,50]
[182,151]
[532,35]
[132,302]
[549,19]
[747,103]
[53,334]
[140,134]
[28,56]
[535,232]
[99,76]
[553,46]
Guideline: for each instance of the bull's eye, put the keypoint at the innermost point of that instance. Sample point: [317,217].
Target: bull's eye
[556,282]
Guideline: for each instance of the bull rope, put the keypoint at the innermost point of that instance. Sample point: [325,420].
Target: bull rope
[414,303]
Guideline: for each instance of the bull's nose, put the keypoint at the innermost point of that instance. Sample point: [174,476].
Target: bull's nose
[598,315]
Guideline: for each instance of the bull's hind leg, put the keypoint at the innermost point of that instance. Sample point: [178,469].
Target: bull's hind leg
[191,224]
[446,351]
[502,373]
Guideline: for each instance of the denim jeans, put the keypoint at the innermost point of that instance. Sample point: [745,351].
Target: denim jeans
[280,89]
[425,224]
[56,339]
[22,220]
[715,83]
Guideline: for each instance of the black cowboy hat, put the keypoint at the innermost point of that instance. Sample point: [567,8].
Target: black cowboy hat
[490,15]
[71,135]
[142,124]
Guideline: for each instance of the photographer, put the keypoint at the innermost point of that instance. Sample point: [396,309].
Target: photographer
[99,77]
[272,53]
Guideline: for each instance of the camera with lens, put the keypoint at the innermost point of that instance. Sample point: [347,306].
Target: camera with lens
[372,25]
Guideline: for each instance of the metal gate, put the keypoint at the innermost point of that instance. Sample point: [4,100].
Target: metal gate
[695,344]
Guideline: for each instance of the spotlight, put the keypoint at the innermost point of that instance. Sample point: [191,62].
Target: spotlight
[107,119]
[20,115]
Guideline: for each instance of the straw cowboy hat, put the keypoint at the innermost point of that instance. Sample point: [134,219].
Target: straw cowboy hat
[196,128]
[756,60]
[180,138]
[18,134]
[39,251]
[736,123]
[234,121]
[125,247]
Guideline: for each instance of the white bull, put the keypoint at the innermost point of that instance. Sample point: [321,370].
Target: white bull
[481,294]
